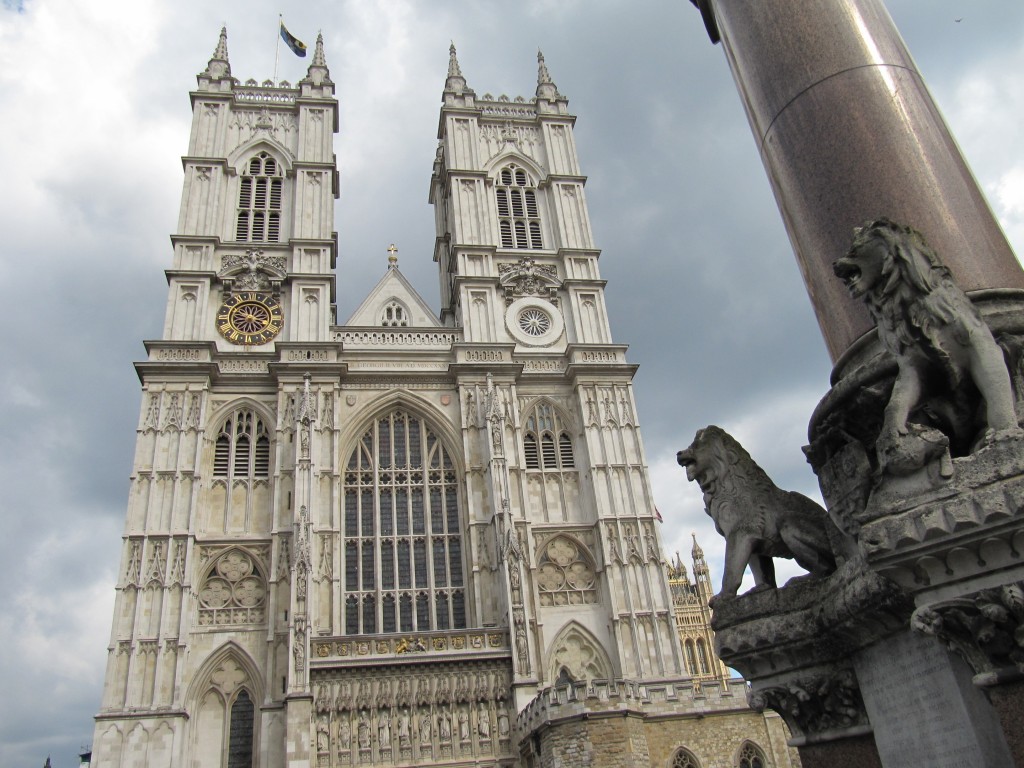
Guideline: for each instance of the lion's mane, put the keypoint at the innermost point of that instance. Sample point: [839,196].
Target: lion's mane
[916,302]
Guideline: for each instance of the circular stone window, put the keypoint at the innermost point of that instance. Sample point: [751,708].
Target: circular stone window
[534,322]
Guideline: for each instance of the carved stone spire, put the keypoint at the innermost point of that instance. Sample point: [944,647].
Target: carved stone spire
[218,65]
[319,60]
[545,86]
[455,83]
[453,62]
[701,573]
[318,74]
[696,553]
[307,406]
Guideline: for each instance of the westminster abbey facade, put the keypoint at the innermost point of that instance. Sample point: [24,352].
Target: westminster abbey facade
[408,539]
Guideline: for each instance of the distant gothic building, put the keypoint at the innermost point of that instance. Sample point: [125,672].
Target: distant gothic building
[693,617]
[405,539]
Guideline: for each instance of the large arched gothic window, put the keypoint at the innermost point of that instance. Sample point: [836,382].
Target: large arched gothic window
[259,201]
[402,555]
[518,214]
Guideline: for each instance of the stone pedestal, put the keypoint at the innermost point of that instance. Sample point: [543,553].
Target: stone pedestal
[856,751]
[924,708]
[1008,701]
[299,744]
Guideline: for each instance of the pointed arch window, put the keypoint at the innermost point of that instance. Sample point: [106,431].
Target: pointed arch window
[683,758]
[259,201]
[242,449]
[240,731]
[394,315]
[402,555]
[546,442]
[752,757]
[518,213]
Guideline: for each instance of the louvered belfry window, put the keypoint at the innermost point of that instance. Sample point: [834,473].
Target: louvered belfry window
[402,557]
[518,214]
[259,201]
[242,449]
[546,443]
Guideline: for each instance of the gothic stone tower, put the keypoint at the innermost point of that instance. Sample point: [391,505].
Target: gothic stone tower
[693,616]
[209,643]
[406,539]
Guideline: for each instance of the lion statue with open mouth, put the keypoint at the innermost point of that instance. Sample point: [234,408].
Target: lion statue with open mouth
[945,352]
[758,519]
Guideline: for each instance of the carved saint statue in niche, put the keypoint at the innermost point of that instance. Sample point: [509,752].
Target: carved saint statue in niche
[403,727]
[444,726]
[503,728]
[322,735]
[364,730]
[483,727]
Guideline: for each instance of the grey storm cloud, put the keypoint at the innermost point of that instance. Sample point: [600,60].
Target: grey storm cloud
[701,281]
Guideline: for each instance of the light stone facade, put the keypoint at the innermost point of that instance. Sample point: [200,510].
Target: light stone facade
[403,540]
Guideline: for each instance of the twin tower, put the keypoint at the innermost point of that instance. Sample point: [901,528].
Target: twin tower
[407,539]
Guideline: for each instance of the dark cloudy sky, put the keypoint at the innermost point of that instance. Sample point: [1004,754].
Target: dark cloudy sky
[701,281]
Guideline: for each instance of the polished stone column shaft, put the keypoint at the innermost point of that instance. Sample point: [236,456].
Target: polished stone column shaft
[848,132]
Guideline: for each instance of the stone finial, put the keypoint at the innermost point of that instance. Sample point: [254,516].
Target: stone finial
[455,83]
[677,570]
[696,553]
[218,65]
[545,85]
[543,76]
[318,73]
[392,256]
[453,62]
[319,60]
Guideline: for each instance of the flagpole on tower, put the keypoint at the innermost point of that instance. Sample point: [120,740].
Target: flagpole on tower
[277,48]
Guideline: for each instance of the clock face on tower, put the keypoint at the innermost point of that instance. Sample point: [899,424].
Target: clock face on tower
[250,318]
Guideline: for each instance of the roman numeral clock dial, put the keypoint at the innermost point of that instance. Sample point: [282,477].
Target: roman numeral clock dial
[250,318]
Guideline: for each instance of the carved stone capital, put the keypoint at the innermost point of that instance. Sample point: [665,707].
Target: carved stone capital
[816,704]
[986,629]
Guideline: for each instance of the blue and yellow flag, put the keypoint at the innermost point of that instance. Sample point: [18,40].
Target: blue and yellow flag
[298,47]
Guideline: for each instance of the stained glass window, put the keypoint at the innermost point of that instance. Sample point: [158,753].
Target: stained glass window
[400,516]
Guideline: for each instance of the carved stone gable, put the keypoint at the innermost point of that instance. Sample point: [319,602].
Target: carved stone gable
[252,271]
[528,278]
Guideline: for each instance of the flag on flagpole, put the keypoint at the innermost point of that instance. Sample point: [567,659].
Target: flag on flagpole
[658,516]
[298,47]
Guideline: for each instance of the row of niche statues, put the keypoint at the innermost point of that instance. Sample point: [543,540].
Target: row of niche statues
[407,726]
[439,689]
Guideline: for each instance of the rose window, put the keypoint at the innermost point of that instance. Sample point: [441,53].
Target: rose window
[565,575]
[234,591]
[534,322]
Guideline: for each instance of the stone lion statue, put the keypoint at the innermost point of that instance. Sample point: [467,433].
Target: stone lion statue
[758,519]
[945,352]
